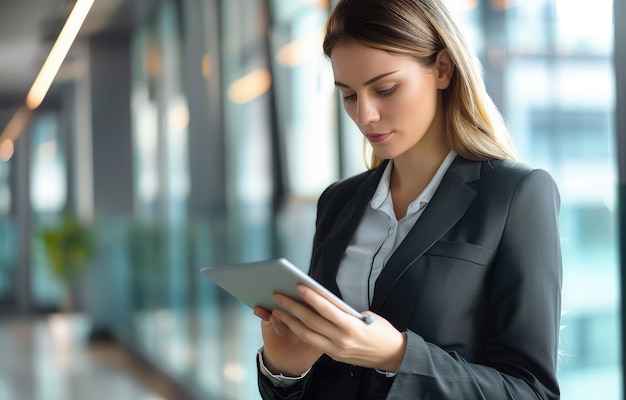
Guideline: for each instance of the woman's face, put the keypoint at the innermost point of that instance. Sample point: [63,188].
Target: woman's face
[392,98]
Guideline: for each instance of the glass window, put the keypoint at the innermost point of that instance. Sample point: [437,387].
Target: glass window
[305,96]
[48,192]
[307,119]
[559,100]
[571,15]
[48,199]
[158,248]
[250,143]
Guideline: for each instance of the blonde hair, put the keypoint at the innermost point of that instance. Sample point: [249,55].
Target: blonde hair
[422,28]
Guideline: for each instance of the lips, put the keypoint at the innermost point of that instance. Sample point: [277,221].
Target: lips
[377,137]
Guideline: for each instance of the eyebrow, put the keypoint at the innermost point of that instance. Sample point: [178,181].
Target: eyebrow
[369,82]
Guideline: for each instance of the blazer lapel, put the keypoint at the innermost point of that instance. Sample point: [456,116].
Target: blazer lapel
[449,203]
[344,227]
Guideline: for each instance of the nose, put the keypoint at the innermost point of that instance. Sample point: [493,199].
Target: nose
[366,111]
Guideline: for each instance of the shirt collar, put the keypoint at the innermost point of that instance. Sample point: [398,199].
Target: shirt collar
[382,194]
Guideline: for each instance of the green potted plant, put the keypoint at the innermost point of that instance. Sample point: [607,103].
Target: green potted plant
[70,247]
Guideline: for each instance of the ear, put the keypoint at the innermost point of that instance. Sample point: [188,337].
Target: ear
[444,67]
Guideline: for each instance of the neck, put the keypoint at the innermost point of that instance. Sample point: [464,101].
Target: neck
[411,175]
[414,169]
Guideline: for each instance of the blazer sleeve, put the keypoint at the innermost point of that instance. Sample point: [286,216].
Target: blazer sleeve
[524,295]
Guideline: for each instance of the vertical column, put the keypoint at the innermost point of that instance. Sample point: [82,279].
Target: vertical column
[206,141]
[82,154]
[206,201]
[111,125]
[113,199]
[23,224]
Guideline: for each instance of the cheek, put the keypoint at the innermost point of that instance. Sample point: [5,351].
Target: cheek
[418,104]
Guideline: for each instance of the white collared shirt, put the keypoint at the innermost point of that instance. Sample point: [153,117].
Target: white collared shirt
[378,235]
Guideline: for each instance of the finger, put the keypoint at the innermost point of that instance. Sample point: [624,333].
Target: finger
[306,315]
[279,327]
[313,329]
[304,332]
[326,308]
[262,313]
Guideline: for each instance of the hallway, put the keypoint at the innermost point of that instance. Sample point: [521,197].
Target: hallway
[49,359]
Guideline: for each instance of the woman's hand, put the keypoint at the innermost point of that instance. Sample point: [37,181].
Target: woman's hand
[283,351]
[343,337]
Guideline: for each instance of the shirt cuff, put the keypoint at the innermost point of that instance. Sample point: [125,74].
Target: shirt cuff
[392,374]
[279,380]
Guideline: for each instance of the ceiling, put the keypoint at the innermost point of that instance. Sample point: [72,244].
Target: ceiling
[28,29]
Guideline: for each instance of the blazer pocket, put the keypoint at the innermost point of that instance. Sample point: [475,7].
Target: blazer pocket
[463,251]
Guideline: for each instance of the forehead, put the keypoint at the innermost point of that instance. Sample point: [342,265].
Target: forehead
[353,62]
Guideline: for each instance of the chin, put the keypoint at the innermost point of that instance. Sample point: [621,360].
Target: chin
[386,153]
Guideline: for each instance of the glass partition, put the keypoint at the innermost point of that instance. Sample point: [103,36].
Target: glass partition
[248,128]
[304,96]
[181,321]
[157,249]
[48,200]
[307,120]
[559,101]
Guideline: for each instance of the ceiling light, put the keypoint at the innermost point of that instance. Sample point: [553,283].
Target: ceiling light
[59,50]
[16,124]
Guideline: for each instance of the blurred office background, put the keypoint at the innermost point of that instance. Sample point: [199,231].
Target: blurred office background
[192,133]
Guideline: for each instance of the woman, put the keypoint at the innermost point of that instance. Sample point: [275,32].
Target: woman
[450,245]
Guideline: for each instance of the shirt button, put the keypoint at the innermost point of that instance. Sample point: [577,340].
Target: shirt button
[354,370]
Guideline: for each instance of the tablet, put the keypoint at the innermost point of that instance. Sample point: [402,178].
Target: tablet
[254,283]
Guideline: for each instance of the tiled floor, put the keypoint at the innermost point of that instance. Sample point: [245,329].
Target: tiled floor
[49,359]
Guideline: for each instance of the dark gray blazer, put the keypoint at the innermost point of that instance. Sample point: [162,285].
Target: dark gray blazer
[476,285]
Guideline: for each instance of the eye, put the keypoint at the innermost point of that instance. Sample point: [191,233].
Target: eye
[349,97]
[388,91]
